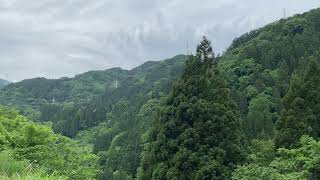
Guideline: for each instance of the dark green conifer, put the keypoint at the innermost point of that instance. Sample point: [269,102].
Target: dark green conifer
[197,134]
[301,112]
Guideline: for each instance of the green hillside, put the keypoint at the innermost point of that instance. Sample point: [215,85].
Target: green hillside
[250,113]
[119,117]
[29,95]
[259,65]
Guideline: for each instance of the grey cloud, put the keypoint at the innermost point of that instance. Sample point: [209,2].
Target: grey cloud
[55,38]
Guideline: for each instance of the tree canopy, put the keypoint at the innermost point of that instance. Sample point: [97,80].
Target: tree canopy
[197,133]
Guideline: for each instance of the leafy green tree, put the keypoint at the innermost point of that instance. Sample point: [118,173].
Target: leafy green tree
[36,143]
[197,134]
[260,118]
[301,108]
[267,163]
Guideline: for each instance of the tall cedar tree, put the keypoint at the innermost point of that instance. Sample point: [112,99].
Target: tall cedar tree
[197,133]
[301,112]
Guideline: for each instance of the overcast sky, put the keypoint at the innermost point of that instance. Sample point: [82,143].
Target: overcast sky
[56,38]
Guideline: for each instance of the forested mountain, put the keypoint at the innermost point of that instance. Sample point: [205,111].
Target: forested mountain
[259,65]
[252,112]
[273,74]
[29,95]
[117,111]
[151,80]
[122,114]
[3,83]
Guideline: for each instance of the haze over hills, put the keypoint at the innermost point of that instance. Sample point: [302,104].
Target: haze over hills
[3,83]
[252,112]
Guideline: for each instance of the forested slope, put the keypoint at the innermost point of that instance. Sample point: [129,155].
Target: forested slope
[259,65]
[121,110]
[122,115]
[150,80]
[266,83]
[29,95]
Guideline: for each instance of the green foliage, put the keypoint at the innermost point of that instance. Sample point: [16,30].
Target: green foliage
[301,108]
[21,170]
[37,144]
[9,166]
[267,57]
[125,113]
[284,164]
[260,118]
[197,134]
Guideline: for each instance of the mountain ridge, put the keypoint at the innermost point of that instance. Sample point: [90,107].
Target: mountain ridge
[79,89]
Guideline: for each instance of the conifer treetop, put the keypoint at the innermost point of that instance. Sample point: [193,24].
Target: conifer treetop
[204,50]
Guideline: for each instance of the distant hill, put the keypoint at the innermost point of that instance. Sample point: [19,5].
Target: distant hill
[3,83]
[30,94]
[148,81]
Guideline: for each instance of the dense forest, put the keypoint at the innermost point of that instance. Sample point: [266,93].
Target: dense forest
[250,113]
[29,149]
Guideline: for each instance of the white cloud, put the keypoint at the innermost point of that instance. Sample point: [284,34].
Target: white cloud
[55,38]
